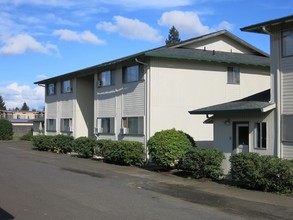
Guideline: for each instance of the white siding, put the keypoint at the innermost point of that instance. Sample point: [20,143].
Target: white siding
[177,87]
[220,43]
[223,138]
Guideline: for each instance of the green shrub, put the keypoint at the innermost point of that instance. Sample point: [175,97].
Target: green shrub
[42,142]
[62,143]
[101,144]
[84,146]
[123,152]
[266,173]
[169,146]
[27,137]
[203,162]
[6,130]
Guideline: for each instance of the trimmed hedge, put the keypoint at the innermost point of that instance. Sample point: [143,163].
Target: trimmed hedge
[265,173]
[203,162]
[6,130]
[168,146]
[123,152]
[84,146]
[42,142]
[62,143]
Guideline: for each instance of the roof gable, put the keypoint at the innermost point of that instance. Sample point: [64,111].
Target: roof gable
[223,41]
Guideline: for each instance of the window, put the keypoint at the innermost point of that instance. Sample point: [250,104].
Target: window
[233,75]
[66,125]
[261,135]
[51,89]
[287,43]
[51,125]
[105,125]
[104,79]
[134,124]
[132,73]
[66,86]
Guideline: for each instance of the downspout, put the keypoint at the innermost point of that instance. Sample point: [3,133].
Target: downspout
[276,93]
[146,111]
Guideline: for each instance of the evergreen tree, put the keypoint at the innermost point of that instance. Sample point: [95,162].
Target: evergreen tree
[173,37]
[2,104]
[25,107]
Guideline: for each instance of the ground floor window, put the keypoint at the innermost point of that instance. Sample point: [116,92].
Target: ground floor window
[287,128]
[105,125]
[51,125]
[66,125]
[133,125]
[261,135]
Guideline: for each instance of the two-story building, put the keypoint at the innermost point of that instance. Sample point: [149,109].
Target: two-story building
[263,122]
[133,97]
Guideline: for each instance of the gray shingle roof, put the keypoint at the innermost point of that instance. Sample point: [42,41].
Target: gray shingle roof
[258,28]
[254,103]
[210,56]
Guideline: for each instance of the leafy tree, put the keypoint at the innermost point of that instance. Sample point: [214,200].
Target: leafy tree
[2,104]
[173,37]
[25,107]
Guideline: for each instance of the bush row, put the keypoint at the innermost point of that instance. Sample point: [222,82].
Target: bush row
[266,173]
[117,152]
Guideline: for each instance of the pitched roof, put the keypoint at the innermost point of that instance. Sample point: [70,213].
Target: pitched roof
[176,51]
[260,27]
[210,56]
[259,102]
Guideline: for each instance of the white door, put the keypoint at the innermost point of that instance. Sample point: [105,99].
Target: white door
[242,137]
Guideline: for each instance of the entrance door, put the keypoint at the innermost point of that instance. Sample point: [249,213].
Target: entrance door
[242,137]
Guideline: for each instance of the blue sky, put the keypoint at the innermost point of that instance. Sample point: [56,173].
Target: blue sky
[44,38]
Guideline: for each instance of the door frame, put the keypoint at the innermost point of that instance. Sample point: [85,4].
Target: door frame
[236,147]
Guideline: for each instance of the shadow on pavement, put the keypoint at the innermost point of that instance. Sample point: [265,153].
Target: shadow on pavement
[5,215]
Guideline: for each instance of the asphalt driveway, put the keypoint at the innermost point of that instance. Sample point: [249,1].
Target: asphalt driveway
[43,185]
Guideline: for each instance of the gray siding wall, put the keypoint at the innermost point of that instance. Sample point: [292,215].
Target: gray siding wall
[287,79]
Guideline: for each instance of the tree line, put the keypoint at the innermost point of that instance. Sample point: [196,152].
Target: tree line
[24,107]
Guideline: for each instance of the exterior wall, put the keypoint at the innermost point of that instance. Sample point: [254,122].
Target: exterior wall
[83,120]
[120,100]
[223,138]
[60,105]
[220,43]
[282,88]
[20,129]
[177,87]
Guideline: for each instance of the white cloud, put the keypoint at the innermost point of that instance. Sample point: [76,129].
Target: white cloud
[189,23]
[14,95]
[83,37]
[131,28]
[23,42]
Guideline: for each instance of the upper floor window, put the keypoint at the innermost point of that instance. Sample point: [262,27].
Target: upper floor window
[287,43]
[51,89]
[66,86]
[66,125]
[134,125]
[51,125]
[233,75]
[132,73]
[105,125]
[104,78]
[261,135]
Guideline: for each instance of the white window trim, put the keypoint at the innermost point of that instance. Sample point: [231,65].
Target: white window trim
[103,130]
[140,125]
[235,78]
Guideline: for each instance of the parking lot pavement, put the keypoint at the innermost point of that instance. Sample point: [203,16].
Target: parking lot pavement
[43,185]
